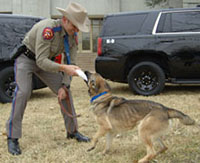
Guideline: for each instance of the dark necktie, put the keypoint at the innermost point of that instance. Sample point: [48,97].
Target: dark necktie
[66,44]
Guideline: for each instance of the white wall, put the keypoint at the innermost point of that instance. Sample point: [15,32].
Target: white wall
[33,7]
[46,8]
[190,3]
[94,7]
[138,5]
[26,7]
[175,3]
[133,5]
[5,5]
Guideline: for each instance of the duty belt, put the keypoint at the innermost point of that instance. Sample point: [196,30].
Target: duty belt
[29,53]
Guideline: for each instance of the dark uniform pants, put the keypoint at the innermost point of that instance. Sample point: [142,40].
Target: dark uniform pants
[24,69]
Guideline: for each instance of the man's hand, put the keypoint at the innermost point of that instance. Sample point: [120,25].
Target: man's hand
[69,69]
[61,94]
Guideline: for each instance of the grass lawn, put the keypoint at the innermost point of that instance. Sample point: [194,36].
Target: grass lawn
[44,136]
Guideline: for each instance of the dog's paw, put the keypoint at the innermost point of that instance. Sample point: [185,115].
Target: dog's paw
[90,149]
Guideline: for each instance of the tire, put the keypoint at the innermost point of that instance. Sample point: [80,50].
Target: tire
[7,84]
[146,78]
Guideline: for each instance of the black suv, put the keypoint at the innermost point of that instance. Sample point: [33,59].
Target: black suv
[12,31]
[149,49]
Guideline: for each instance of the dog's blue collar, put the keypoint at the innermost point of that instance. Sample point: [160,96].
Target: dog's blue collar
[97,96]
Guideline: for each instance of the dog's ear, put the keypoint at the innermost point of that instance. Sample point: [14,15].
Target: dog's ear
[88,74]
[102,85]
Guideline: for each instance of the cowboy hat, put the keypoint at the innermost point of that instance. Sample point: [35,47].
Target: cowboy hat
[77,15]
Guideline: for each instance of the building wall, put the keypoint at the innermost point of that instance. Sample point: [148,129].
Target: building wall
[136,5]
[32,7]
[191,3]
[96,8]
[175,3]
[5,6]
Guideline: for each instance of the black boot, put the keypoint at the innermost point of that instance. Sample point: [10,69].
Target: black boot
[13,146]
[78,136]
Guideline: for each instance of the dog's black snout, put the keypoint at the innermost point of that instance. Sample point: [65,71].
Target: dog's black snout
[87,73]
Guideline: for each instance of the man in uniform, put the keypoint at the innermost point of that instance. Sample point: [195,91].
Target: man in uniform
[45,40]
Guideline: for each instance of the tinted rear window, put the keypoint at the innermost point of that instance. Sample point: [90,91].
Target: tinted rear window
[12,31]
[123,24]
[179,22]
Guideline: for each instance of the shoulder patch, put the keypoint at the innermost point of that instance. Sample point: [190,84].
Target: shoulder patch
[47,33]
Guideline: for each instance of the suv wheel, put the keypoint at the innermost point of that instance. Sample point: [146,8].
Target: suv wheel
[146,78]
[7,84]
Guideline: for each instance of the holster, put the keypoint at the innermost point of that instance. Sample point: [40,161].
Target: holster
[22,49]
[18,51]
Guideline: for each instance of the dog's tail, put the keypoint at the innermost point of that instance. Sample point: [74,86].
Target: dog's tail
[184,119]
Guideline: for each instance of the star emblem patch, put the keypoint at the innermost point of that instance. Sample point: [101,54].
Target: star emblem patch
[47,33]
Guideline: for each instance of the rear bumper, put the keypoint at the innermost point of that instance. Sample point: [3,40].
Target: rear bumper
[110,68]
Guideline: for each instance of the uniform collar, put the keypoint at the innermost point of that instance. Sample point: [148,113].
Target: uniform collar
[59,23]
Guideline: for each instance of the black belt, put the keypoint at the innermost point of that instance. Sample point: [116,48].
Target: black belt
[29,53]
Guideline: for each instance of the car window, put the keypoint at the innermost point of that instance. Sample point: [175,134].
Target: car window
[179,22]
[164,24]
[12,31]
[123,25]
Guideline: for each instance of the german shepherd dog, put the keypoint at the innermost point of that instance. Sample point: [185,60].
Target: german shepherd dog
[114,114]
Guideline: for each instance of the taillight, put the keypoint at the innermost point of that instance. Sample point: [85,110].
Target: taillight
[99,46]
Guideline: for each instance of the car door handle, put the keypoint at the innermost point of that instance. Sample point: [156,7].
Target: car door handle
[166,41]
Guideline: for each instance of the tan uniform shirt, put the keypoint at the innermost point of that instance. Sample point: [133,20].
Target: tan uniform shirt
[45,49]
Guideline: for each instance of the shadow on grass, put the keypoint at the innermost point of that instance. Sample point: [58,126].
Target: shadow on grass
[179,89]
[42,93]
[169,89]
